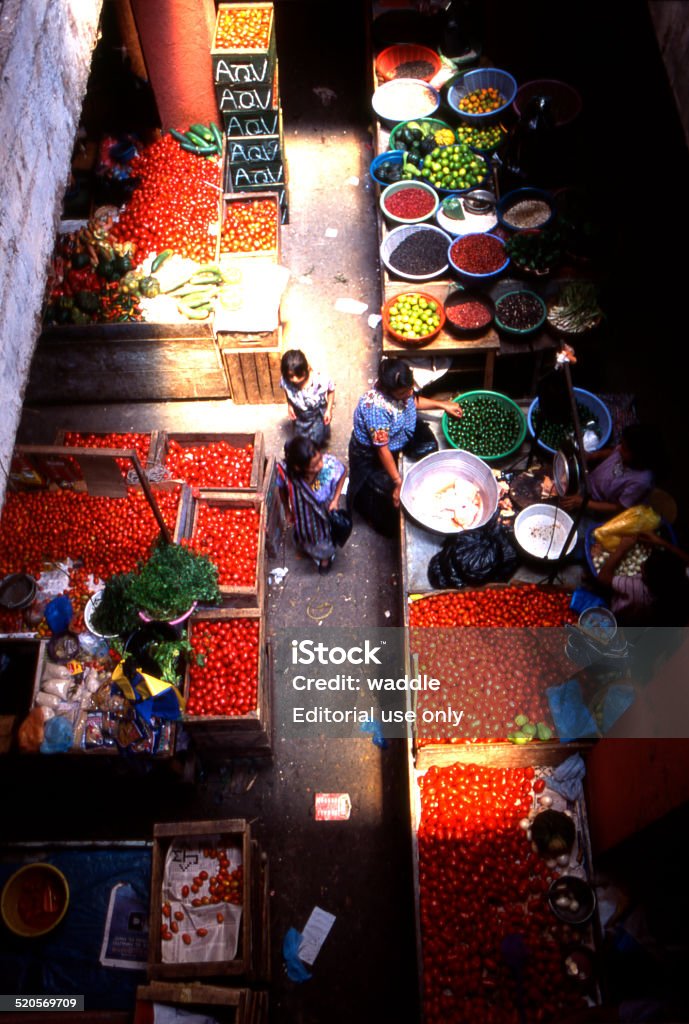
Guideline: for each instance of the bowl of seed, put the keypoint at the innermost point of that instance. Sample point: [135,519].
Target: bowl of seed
[415,252]
[520,312]
[525,208]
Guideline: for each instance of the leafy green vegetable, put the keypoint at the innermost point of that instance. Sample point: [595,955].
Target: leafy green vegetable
[117,613]
[172,579]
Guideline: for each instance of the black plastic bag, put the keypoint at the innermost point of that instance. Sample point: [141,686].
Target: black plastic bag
[474,557]
[340,526]
[422,442]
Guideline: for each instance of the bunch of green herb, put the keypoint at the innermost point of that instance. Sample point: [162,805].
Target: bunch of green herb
[169,582]
[117,612]
[575,309]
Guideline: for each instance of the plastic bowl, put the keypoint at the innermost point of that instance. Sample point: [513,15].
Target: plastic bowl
[397,235]
[405,186]
[665,530]
[480,184]
[520,195]
[459,297]
[571,886]
[521,332]
[565,101]
[541,532]
[482,78]
[401,337]
[435,123]
[390,59]
[34,900]
[17,591]
[469,135]
[469,275]
[541,246]
[90,608]
[432,474]
[500,401]
[393,156]
[405,99]
[592,402]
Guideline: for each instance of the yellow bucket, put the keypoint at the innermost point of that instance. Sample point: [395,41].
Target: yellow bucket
[34,900]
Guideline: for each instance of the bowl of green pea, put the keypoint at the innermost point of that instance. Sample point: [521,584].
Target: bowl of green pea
[492,425]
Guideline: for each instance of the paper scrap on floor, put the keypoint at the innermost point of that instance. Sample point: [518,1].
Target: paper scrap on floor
[259,290]
[314,934]
[332,806]
[345,305]
[184,862]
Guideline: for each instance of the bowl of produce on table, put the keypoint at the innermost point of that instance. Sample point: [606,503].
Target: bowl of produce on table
[386,168]
[535,251]
[525,208]
[421,136]
[407,60]
[468,310]
[404,99]
[541,532]
[519,313]
[415,252]
[482,138]
[455,168]
[479,257]
[492,425]
[413,317]
[573,307]
[450,491]
[409,202]
[594,418]
[482,95]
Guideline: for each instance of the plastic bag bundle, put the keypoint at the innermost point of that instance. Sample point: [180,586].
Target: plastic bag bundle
[637,519]
[474,557]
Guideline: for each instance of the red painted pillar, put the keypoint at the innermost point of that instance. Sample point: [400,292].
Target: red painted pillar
[176,37]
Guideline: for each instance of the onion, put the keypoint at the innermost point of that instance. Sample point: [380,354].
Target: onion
[524,823]
[545,801]
[563,859]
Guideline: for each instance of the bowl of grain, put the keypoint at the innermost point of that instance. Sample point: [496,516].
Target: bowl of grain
[525,208]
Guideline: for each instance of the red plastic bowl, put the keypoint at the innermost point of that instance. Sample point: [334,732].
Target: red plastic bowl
[391,58]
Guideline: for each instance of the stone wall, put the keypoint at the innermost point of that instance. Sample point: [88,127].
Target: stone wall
[45,57]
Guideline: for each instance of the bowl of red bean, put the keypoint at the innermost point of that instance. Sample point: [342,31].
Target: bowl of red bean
[520,312]
[468,311]
[409,202]
[478,257]
[482,94]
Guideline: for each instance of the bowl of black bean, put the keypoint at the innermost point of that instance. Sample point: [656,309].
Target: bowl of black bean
[415,252]
[520,312]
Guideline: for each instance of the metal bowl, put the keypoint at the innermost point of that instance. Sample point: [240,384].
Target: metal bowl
[439,481]
[541,531]
[572,887]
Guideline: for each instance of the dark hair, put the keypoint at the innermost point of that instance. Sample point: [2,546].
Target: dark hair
[665,576]
[644,446]
[392,375]
[293,364]
[298,453]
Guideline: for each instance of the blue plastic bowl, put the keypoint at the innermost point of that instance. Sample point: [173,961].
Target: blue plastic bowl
[593,403]
[519,195]
[482,78]
[665,530]
[393,156]
[467,275]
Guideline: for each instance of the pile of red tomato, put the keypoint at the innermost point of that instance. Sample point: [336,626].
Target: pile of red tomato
[175,205]
[216,464]
[140,443]
[493,672]
[250,225]
[226,682]
[480,882]
[229,536]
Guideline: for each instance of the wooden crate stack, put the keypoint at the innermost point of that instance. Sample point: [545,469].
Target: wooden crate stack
[248,96]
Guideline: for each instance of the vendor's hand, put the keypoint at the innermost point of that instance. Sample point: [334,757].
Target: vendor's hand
[327,417]
[572,503]
[453,409]
[333,505]
[627,542]
[396,494]
[291,413]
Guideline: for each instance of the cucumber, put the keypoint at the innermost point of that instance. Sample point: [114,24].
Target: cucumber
[197,299]
[160,259]
[178,135]
[198,313]
[205,278]
[198,150]
[217,135]
[203,131]
[197,140]
[193,289]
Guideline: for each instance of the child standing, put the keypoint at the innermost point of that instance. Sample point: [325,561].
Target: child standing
[310,397]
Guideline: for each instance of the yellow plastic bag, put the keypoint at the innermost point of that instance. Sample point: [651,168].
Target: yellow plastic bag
[637,519]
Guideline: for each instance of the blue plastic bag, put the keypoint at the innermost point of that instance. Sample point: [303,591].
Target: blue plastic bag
[58,736]
[58,614]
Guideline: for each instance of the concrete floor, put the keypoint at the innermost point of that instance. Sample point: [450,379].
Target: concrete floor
[359,870]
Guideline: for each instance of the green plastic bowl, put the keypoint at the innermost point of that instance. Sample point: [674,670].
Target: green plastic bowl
[436,124]
[501,400]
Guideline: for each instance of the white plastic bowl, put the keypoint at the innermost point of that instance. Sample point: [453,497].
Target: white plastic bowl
[405,99]
[397,235]
[541,531]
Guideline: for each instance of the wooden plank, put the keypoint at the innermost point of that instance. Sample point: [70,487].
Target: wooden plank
[190,994]
[235,379]
[498,755]
[202,438]
[250,595]
[247,362]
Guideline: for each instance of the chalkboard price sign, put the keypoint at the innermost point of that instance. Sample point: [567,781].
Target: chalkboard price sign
[250,125]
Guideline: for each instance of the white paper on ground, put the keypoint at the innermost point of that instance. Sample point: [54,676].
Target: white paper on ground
[374,320]
[350,306]
[331,232]
[314,934]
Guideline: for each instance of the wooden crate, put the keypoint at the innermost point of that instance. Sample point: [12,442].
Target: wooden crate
[128,362]
[235,595]
[252,98]
[227,1005]
[241,202]
[249,734]
[198,440]
[252,362]
[241,66]
[153,436]
[201,834]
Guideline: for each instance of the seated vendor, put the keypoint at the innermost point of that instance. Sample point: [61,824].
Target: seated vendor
[623,476]
[659,595]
